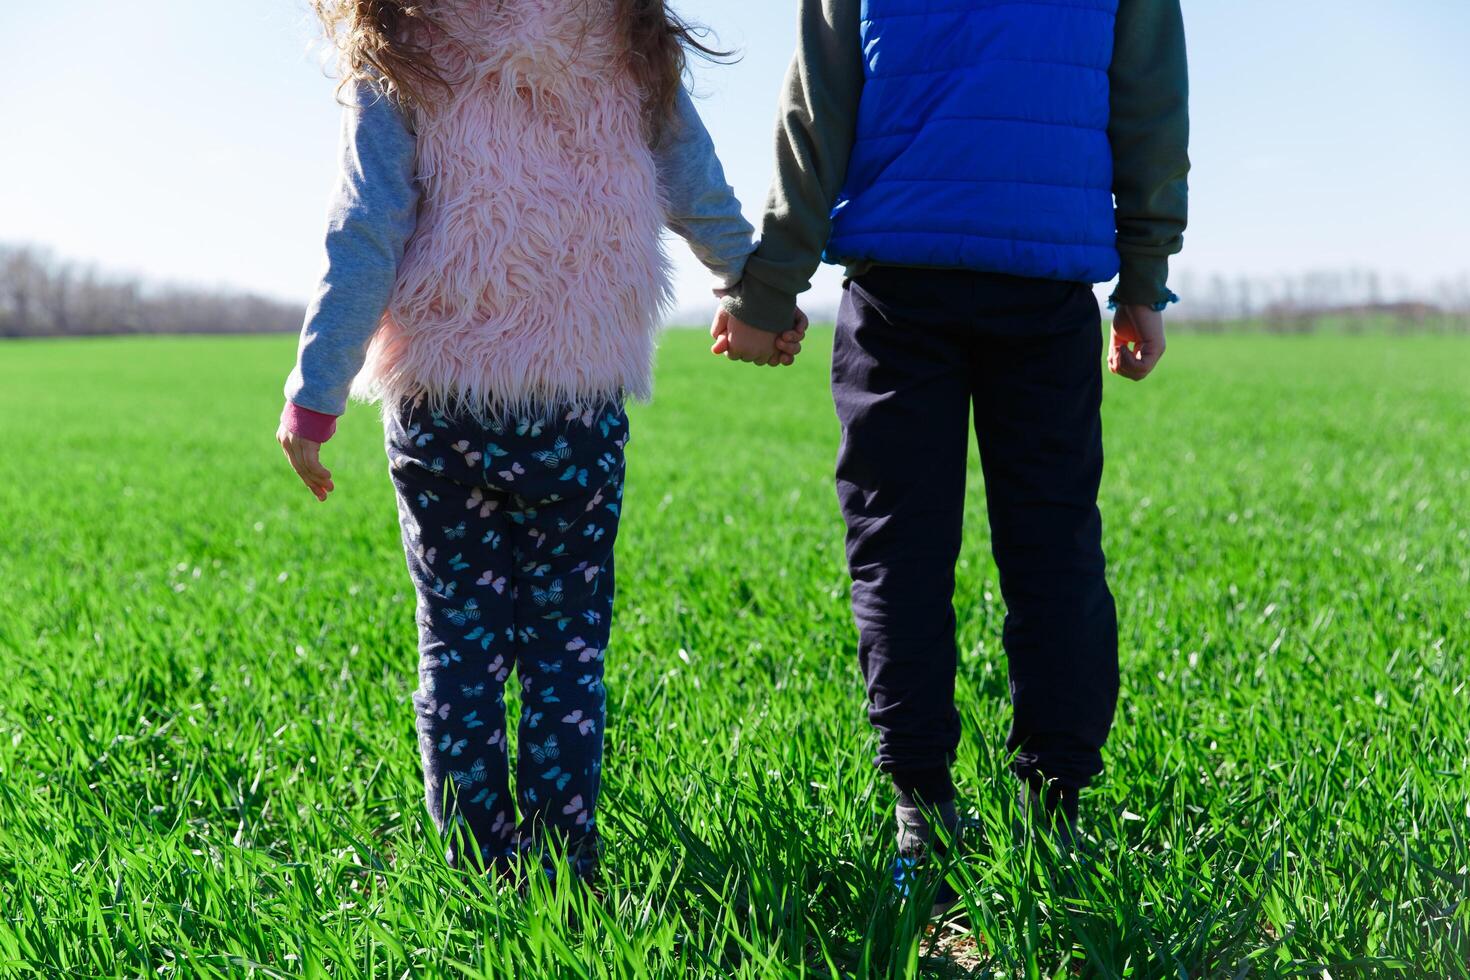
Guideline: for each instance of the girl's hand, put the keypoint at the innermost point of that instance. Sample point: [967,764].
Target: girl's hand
[304,455]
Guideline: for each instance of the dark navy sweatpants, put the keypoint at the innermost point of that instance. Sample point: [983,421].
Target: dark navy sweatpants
[916,350]
[509,533]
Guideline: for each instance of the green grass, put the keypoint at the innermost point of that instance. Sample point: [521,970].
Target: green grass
[207,760]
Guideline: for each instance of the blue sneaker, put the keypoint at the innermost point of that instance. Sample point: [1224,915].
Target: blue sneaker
[907,872]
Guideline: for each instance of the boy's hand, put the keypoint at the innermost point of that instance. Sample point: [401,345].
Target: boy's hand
[739,341]
[304,455]
[1143,327]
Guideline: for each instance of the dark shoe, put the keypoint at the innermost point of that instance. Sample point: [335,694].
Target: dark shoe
[580,859]
[1050,809]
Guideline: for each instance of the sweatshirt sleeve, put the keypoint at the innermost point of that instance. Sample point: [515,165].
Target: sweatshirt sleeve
[373,212]
[814,137]
[702,207]
[1149,131]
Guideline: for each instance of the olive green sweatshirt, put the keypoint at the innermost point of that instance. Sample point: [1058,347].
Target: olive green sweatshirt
[1148,129]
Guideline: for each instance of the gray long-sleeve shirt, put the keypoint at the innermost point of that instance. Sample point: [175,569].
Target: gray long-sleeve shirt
[374,211]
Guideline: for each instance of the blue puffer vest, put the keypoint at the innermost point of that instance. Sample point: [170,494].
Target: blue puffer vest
[982,139]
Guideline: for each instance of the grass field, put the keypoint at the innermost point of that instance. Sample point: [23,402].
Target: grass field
[207,761]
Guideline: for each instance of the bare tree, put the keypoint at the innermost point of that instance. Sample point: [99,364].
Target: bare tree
[1346,300]
[22,281]
[40,297]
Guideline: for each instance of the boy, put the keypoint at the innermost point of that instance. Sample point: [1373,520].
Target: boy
[976,165]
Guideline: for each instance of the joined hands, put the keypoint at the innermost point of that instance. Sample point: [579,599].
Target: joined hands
[739,341]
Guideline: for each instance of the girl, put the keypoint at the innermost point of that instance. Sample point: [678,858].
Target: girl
[494,277]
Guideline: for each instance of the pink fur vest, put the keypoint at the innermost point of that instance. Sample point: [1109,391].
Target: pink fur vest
[535,278]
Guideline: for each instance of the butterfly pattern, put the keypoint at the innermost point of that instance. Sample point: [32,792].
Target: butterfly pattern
[509,539]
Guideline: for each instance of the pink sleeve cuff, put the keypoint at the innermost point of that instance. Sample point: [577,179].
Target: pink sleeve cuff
[316,426]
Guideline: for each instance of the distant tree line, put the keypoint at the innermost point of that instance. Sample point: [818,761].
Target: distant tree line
[41,296]
[1349,301]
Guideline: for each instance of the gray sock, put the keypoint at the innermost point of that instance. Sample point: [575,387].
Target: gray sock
[917,836]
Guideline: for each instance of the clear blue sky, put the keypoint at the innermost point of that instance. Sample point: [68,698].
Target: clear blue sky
[194,141]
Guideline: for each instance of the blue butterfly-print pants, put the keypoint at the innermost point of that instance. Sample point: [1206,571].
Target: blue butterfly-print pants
[509,531]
